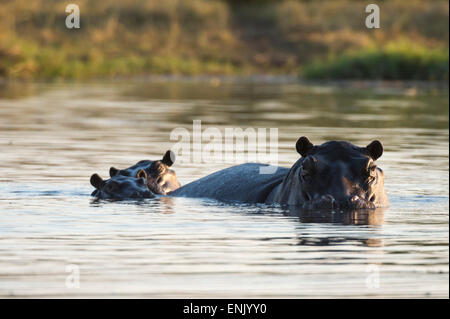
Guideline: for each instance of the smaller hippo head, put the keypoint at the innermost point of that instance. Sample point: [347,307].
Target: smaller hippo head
[160,179]
[130,171]
[335,175]
[120,187]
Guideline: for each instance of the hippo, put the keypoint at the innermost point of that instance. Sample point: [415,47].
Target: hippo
[159,178]
[335,175]
[127,183]
[120,187]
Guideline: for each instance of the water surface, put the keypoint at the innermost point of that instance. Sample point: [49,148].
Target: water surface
[54,136]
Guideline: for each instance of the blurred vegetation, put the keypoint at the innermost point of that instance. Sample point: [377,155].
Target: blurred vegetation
[325,39]
[392,62]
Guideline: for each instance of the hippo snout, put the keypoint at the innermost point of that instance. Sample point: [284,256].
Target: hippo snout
[356,202]
[154,185]
[324,202]
[328,202]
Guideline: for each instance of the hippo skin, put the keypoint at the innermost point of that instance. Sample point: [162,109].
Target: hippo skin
[144,179]
[120,187]
[333,175]
[241,183]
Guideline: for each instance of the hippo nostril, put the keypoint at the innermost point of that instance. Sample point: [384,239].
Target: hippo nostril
[357,202]
[327,201]
[372,198]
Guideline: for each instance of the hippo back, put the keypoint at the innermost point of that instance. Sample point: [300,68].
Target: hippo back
[241,183]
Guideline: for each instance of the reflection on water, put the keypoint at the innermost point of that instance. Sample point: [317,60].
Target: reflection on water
[54,136]
[348,217]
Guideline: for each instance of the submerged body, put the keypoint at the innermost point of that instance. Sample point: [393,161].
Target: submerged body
[241,183]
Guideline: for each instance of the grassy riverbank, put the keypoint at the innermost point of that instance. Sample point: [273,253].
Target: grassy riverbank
[322,39]
[392,62]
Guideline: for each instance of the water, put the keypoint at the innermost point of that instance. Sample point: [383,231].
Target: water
[54,136]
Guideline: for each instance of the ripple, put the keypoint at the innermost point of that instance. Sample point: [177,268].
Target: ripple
[176,247]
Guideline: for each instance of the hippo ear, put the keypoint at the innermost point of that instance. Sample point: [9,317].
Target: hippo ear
[169,158]
[97,181]
[303,145]
[141,174]
[375,149]
[113,171]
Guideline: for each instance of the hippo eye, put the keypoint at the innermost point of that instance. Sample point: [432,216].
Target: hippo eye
[373,171]
[309,166]
[371,174]
[159,180]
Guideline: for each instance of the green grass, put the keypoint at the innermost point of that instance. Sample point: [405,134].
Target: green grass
[28,60]
[393,62]
[317,39]
[390,63]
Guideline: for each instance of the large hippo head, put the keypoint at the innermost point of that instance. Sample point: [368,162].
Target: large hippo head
[120,187]
[334,175]
[160,179]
